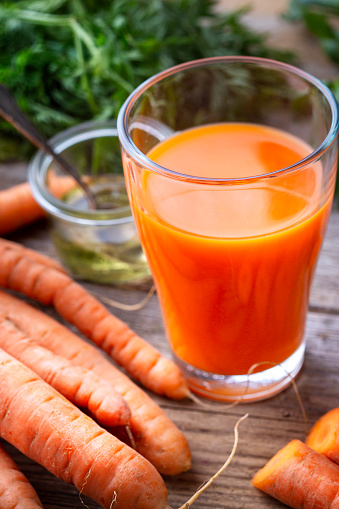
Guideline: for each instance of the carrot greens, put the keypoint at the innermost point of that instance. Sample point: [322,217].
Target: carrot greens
[68,61]
[321,18]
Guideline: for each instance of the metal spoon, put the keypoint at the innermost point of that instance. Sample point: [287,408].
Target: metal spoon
[11,112]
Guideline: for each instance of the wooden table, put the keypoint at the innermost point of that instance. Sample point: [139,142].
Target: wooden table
[270,425]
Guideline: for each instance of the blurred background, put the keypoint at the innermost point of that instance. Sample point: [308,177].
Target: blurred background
[69,61]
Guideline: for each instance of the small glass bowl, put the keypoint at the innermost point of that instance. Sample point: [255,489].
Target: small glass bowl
[95,245]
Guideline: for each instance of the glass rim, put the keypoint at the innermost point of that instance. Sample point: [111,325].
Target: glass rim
[139,157]
[40,163]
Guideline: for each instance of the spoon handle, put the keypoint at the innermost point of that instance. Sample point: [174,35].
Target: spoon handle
[11,112]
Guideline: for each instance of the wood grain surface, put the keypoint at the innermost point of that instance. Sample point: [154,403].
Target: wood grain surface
[271,423]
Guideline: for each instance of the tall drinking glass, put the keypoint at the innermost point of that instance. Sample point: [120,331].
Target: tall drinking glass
[230,165]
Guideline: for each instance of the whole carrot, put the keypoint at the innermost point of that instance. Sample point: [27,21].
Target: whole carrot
[47,428]
[31,254]
[81,386]
[324,436]
[300,478]
[52,287]
[156,436]
[16,492]
[18,207]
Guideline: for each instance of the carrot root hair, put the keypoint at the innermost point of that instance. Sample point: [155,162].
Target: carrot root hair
[127,307]
[193,397]
[130,436]
[221,470]
[114,499]
[82,489]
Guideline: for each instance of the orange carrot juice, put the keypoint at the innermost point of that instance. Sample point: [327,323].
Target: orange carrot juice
[233,263]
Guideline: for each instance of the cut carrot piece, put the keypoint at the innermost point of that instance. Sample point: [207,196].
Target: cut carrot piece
[156,436]
[324,436]
[58,436]
[16,492]
[301,478]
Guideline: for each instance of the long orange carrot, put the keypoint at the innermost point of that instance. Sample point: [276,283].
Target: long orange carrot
[47,428]
[75,304]
[31,254]
[18,207]
[156,436]
[81,386]
[324,436]
[16,492]
[300,478]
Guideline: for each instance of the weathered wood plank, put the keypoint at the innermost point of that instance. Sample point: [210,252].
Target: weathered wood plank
[325,290]
[210,431]
[272,423]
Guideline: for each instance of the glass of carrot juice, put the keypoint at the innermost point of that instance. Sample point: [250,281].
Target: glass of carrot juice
[230,165]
